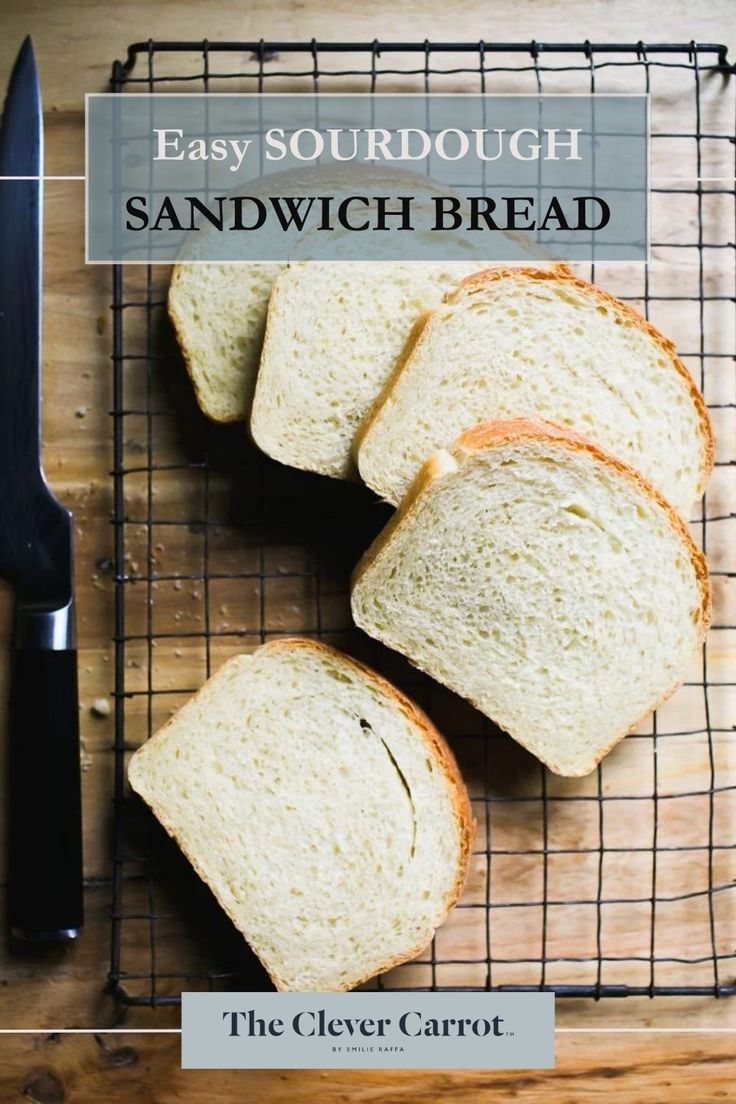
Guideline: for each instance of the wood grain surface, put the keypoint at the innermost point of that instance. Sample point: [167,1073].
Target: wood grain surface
[75,42]
[117,1068]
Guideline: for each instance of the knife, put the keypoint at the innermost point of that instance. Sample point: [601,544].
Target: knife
[36,557]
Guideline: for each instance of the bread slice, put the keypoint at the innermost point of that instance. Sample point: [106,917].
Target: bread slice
[219,314]
[334,331]
[543,580]
[218,308]
[322,808]
[538,342]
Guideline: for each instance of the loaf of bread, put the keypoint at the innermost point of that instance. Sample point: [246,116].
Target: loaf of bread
[543,580]
[322,808]
[538,342]
[219,314]
[333,334]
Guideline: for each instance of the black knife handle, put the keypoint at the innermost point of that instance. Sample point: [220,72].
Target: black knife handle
[45,901]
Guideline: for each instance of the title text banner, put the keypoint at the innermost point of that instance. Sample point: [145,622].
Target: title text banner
[366,177]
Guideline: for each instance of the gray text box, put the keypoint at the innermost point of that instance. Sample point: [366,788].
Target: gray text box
[371,1030]
[308,177]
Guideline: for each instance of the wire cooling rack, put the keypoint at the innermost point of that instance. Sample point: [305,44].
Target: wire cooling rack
[620,883]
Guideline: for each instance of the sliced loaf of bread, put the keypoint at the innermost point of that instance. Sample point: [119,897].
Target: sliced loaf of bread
[219,314]
[333,333]
[538,342]
[543,580]
[322,808]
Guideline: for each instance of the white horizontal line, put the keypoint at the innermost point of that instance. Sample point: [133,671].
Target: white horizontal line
[646,1030]
[42,178]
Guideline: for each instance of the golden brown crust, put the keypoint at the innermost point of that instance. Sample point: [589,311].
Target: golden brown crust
[439,748]
[430,470]
[410,346]
[511,431]
[562,274]
[559,273]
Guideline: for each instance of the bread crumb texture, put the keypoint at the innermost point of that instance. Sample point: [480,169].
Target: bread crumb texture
[538,342]
[334,332]
[322,808]
[545,582]
[219,314]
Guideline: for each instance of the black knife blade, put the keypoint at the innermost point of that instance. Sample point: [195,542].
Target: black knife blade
[36,556]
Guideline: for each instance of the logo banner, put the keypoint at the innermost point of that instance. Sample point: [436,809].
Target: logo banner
[368,1030]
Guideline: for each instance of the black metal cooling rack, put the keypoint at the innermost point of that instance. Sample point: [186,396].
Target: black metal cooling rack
[622,883]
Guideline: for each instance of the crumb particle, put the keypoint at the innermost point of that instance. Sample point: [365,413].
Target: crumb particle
[100,707]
